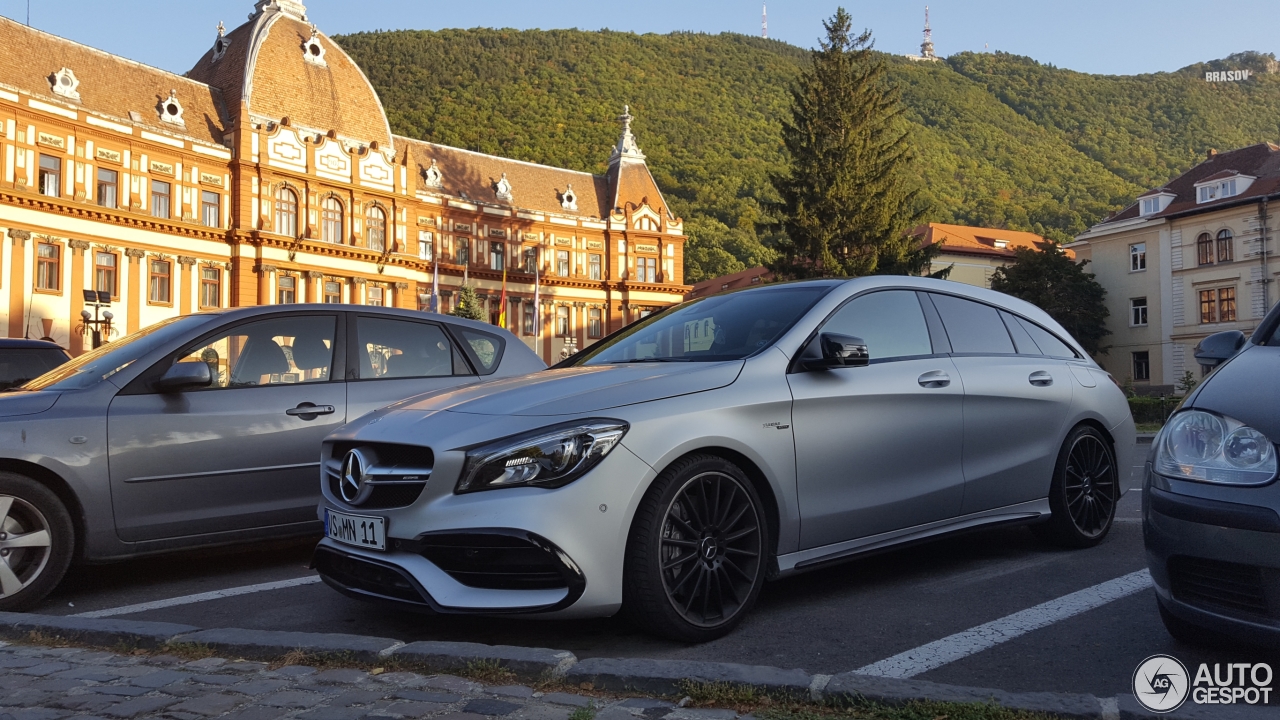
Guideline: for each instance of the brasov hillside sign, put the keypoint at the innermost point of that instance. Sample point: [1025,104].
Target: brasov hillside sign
[1227,75]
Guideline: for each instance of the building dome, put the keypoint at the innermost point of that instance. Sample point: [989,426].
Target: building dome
[279,65]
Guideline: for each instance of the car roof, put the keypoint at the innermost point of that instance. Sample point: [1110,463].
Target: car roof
[22,343]
[256,310]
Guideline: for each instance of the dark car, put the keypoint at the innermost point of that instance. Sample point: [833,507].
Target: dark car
[1211,503]
[24,360]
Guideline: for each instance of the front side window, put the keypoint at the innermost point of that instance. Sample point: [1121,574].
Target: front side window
[286,290]
[210,287]
[562,263]
[161,199]
[1204,249]
[1137,257]
[402,349]
[1138,312]
[376,229]
[104,273]
[595,323]
[280,351]
[972,327]
[497,254]
[210,209]
[49,267]
[1226,246]
[160,281]
[594,268]
[286,212]
[331,227]
[332,292]
[562,321]
[50,176]
[890,322]
[1142,365]
[108,187]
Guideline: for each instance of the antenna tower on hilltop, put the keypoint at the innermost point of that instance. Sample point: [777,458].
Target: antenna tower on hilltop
[926,47]
[764,22]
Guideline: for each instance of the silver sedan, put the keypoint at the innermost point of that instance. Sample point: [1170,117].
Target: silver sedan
[204,430]
[671,469]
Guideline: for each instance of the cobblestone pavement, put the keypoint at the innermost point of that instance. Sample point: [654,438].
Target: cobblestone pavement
[40,683]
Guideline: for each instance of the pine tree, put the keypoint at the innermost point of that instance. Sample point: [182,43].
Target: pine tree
[849,199]
[468,305]
[1052,281]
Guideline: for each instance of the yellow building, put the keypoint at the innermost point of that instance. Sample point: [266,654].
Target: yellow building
[269,174]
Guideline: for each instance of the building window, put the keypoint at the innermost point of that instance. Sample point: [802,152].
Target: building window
[531,260]
[1137,257]
[1150,206]
[104,272]
[1204,249]
[1227,304]
[108,187]
[332,292]
[1226,246]
[562,321]
[593,267]
[1208,306]
[211,209]
[375,296]
[49,267]
[286,290]
[647,269]
[50,176]
[1142,365]
[1138,312]
[331,225]
[462,251]
[161,199]
[528,320]
[376,229]
[595,324]
[497,255]
[210,287]
[562,263]
[160,281]
[286,212]
[427,246]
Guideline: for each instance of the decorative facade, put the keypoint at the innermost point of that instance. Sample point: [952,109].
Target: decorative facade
[269,174]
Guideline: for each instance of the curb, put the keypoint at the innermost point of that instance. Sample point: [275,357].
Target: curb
[652,677]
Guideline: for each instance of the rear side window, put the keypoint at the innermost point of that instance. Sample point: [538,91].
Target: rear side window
[972,327]
[890,322]
[391,349]
[19,365]
[1048,343]
[484,349]
[1021,338]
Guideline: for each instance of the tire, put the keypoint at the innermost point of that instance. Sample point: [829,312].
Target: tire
[697,552]
[1084,491]
[37,541]
[1186,633]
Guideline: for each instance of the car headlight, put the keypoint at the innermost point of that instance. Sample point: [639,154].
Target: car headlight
[1197,445]
[549,458]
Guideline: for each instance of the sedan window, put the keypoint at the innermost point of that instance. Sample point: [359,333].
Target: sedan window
[402,349]
[1048,343]
[972,327]
[280,351]
[19,365]
[891,323]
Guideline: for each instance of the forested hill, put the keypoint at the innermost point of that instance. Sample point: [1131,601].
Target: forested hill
[1001,140]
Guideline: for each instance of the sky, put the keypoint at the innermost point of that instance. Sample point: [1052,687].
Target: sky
[1116,37]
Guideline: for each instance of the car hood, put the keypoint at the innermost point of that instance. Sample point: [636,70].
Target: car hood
[1247,388]
[578,390]
[22,402]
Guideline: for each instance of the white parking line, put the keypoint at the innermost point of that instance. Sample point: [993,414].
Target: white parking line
[200,597]
[974,640]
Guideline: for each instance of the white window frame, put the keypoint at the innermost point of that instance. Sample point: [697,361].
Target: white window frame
[1138,314]
[1138,257]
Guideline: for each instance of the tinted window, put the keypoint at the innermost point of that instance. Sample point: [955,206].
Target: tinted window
[93,367]
[1023,341]
[484,349]
[402,349]
[1048,343]
[973,327]
[280,351]
[891,323]
[20,365]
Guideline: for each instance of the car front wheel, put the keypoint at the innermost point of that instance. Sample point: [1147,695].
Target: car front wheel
[697,552]
[36,542]
[1084,491]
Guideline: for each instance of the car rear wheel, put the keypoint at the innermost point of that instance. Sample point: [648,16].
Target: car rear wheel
[1084,491]
[36,542]
[696,556]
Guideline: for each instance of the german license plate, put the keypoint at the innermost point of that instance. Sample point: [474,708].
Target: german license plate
[358,530]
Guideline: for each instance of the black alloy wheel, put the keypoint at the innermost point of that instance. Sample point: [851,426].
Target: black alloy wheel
[696,557]
[1084,491]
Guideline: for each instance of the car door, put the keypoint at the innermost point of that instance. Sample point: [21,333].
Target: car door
[240,454]
[878,447]
[393,358]
[1015,404]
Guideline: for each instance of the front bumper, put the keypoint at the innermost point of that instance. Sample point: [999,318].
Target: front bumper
[1215,564]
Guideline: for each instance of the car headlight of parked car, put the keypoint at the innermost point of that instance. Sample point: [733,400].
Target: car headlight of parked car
[1203,446]
[549,458]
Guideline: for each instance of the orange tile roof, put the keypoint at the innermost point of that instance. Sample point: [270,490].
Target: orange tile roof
[967,240]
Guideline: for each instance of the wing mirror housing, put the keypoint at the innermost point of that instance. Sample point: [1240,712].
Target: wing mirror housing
[185,376]
[1219,347]
[839,351]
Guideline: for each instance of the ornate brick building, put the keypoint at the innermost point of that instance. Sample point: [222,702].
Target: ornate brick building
[269,174]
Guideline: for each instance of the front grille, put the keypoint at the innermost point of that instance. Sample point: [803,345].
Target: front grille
[1217,585]
[498,561]
[383,497]
[367,577]
[394,478]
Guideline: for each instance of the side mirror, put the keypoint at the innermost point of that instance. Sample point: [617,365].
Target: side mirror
[839,351]
[1219,347]
[185,376]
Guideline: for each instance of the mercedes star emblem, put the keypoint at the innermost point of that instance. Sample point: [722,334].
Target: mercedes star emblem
[352,483]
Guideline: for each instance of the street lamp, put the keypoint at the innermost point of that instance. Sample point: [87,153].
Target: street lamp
[94,324]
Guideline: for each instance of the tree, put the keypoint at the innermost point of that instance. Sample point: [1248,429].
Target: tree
[1052,281]
[1187,383]
[468,305]
[847,201]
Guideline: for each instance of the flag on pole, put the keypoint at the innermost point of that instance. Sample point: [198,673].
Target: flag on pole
[502,301]
[435,286]
[537,297]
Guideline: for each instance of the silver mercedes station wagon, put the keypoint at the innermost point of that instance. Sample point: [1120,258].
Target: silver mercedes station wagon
[672,468]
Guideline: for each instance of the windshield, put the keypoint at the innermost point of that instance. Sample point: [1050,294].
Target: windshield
[723,327]
[98,365]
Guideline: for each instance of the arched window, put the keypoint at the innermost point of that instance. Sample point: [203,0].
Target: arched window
[287,212]
[376,229]
[1204,249]
[331,228]
[1226,246]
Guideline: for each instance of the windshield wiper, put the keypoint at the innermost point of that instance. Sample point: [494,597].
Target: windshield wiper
[649,360]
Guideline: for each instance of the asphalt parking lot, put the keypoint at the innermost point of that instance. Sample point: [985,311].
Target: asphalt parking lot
[915,612]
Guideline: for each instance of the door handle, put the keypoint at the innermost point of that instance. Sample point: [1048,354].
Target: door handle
[1040,378]
[310,411]
[934,379]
